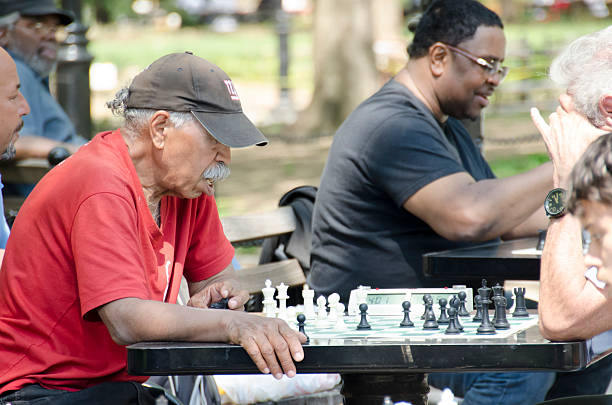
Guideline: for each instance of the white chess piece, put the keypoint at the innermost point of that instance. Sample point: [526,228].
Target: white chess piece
[321,312]
[268,302]
[282,300]
[332,301]
[340,325]
[308,296]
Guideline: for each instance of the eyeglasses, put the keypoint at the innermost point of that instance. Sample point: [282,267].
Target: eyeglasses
[41,28]
[491,67]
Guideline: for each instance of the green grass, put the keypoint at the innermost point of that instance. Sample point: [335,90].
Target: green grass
[249,54]
[509,166]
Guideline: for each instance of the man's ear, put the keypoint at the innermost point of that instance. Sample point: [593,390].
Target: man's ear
[605,108]
[158,125]
[438,58]
[3,37]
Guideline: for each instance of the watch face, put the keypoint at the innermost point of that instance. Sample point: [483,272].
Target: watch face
[554,205]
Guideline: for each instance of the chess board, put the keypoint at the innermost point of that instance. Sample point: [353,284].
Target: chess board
[386,329]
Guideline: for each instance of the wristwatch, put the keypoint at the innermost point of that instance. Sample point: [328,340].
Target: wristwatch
[554,204]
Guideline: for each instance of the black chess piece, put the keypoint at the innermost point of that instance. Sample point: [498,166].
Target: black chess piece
[478,304]
[425,297]
[520,308]
[501,322]
[430,316]
[462,309]
[301,318]
[454,303]
[498,291]
[406,322]
[221,304]
[363,323]
[486,327]
[443,319]
[452,328]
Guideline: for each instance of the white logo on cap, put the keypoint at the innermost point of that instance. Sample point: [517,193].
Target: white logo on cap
[231,90]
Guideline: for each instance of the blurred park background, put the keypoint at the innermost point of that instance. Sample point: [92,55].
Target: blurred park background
[300,66]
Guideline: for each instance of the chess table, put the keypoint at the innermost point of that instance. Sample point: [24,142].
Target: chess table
[494,261]
[386,360]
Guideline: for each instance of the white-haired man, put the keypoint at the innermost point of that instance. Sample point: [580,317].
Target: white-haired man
[570,306]
[114,227]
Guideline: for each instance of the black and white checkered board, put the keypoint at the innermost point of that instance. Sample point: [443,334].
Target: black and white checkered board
[387,328]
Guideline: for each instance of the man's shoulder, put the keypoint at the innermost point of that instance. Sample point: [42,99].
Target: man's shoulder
[25,72]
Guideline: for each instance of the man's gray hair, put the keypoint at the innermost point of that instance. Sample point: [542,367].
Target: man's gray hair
[585,70]
[136,118]
[7,21]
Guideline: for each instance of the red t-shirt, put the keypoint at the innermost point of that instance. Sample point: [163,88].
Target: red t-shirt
[83,238]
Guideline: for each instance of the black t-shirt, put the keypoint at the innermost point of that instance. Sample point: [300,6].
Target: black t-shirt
[387,149]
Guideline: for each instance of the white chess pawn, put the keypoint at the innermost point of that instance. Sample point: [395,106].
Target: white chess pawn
[340,325]
[321,312]
[308,296]
[268,302]
[282,300]
[332,301]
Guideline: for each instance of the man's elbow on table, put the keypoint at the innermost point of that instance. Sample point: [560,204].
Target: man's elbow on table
[561,328]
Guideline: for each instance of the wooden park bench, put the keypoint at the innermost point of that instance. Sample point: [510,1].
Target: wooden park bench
[252,229]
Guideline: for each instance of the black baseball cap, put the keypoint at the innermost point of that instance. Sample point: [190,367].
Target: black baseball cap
[35,8]
[183,82]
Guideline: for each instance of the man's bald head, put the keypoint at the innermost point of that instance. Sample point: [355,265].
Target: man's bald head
[12,105]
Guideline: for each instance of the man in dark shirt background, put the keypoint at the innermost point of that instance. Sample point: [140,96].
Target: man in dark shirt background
[404,178]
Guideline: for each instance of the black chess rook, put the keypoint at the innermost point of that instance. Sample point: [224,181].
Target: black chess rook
[520,308]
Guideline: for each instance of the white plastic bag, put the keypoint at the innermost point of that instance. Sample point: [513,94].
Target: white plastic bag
[247,389]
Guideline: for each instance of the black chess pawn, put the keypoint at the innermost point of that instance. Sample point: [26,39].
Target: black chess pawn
[478,304]
[454,303]
[520,308]
[425,297]
[452,328]
[443,319]
[486,327]
[406,322]
[501,322]
[462,309]
[301,318]
[430,316]
[363,323]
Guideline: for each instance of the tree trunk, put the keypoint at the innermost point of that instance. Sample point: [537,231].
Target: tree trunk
[344,65]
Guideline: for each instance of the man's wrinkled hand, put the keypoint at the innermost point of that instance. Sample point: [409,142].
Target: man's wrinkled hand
[271,343]
[216,291]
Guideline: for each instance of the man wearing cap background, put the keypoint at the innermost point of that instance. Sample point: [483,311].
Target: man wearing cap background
[28,32]
[13,108]
[97,252]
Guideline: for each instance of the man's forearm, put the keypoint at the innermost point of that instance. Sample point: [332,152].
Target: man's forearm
[570,307]
[32,146]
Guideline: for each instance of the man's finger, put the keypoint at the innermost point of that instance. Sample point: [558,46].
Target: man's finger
[539,121]
[252,348]
[269,351]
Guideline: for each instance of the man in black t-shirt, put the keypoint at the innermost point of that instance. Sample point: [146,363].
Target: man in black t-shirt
[403,178]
